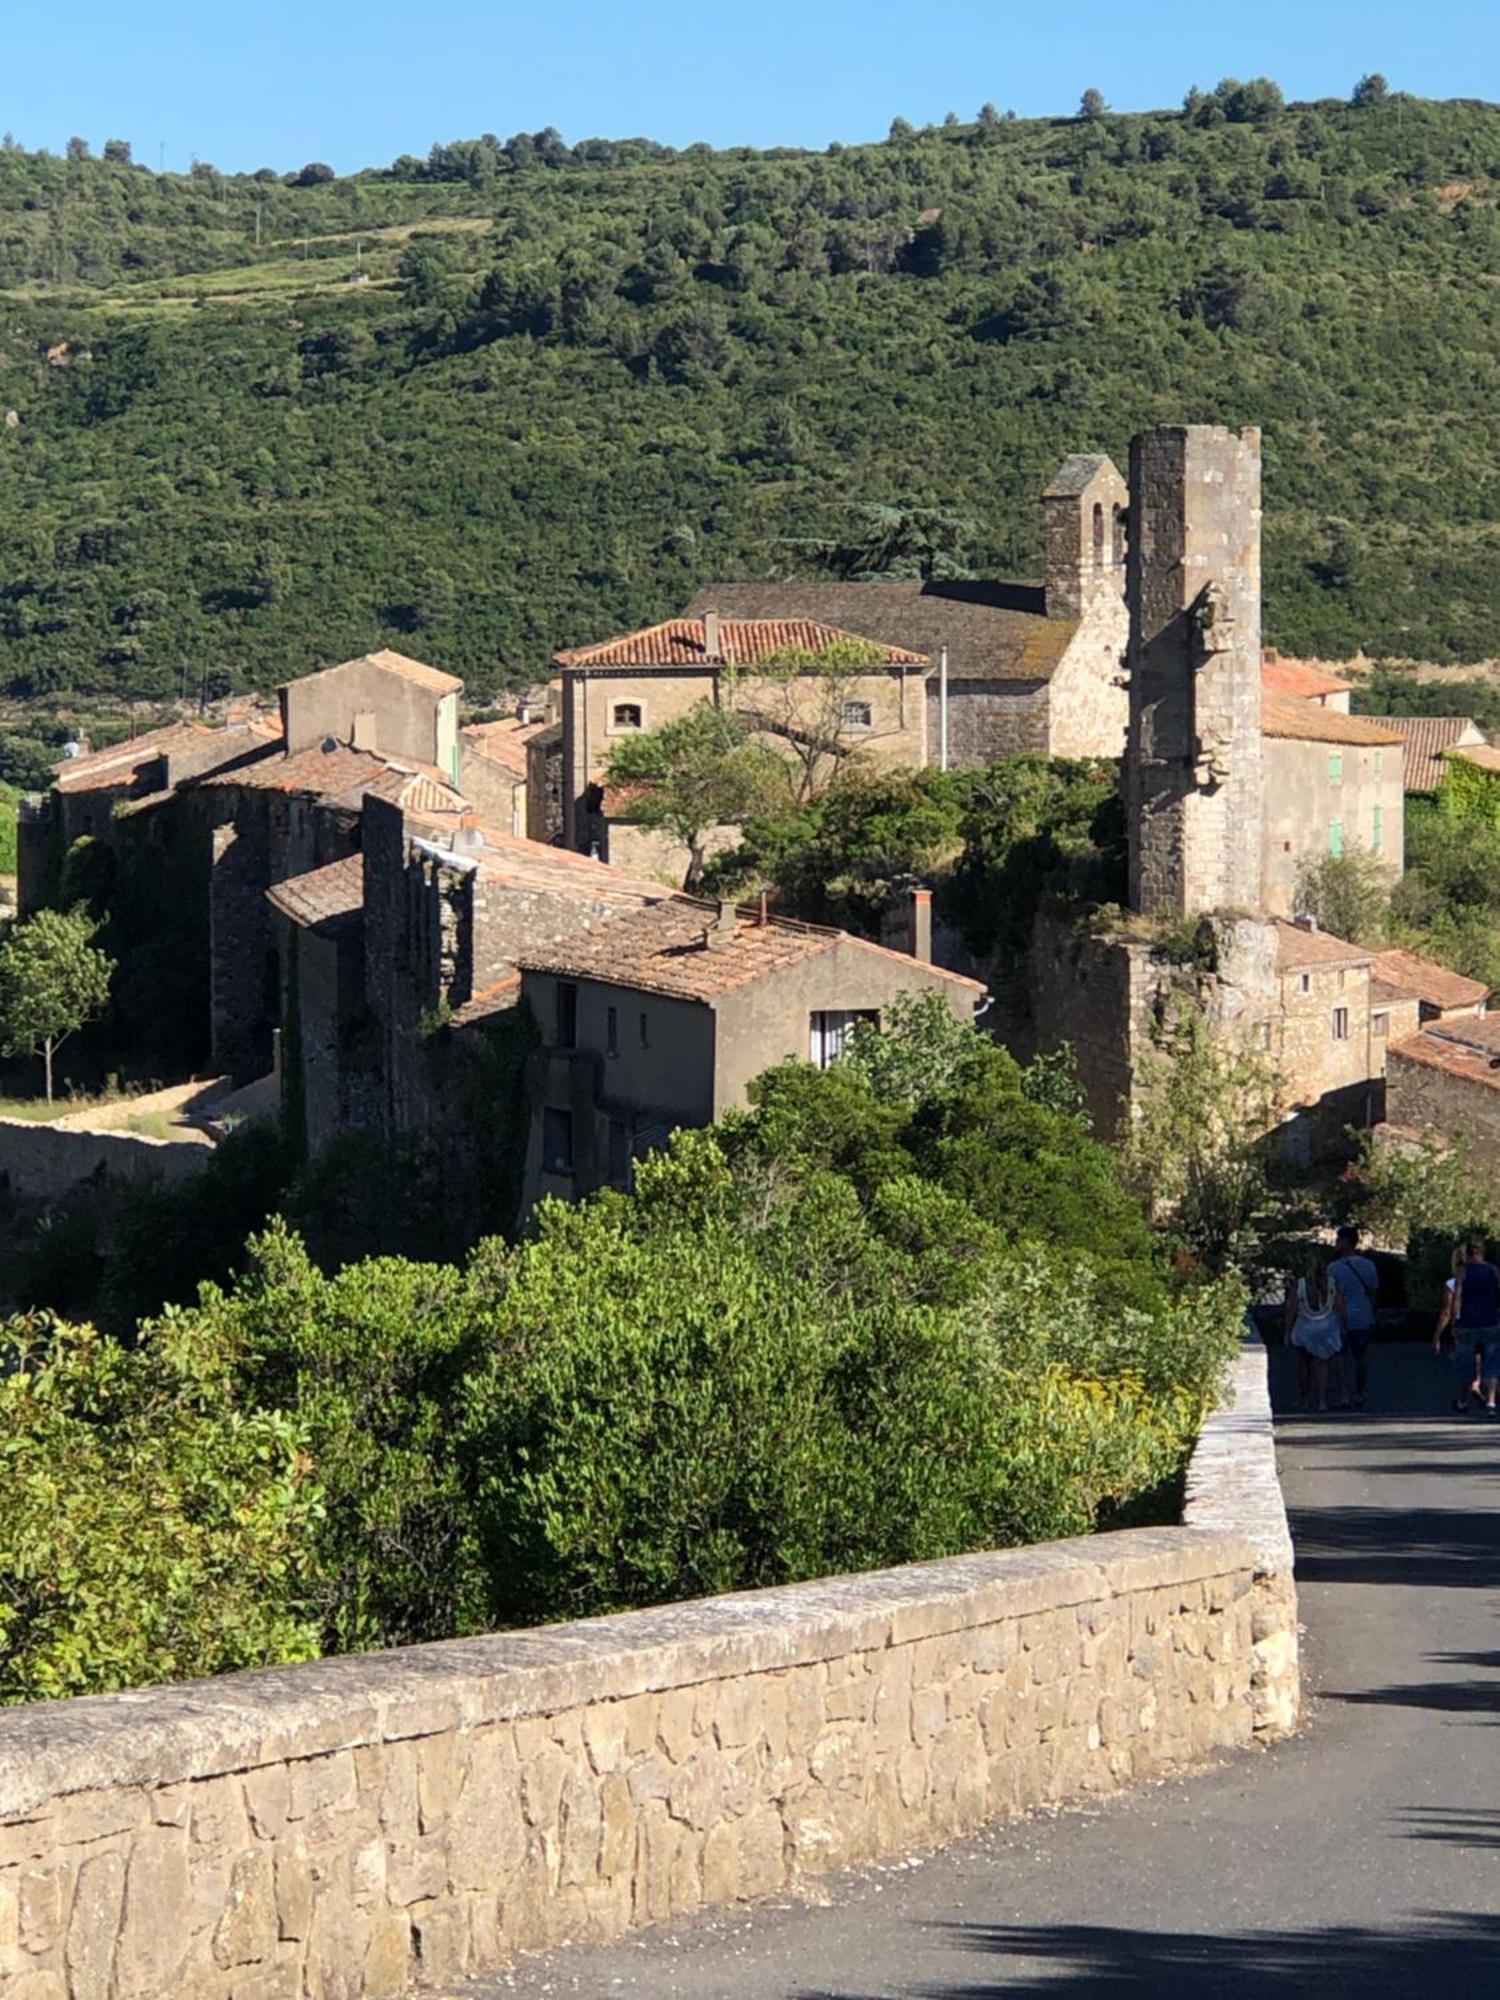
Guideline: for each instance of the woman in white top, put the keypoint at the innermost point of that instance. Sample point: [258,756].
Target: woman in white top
[1314,1326]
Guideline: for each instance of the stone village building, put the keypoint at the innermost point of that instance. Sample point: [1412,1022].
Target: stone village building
[1204,768]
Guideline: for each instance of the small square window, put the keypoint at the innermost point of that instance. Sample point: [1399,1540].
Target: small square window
[557,1141]
[1341,1024]
[1380,1026]
[612,1032]
[567,1015]
[856,715]
[625,716]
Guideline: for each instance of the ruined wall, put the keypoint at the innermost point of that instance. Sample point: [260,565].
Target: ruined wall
[347,1827]
[47,1162]
[1194,766]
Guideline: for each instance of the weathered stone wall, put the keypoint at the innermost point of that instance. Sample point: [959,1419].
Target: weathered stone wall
[351,1827]
[1420,1097]
[1194,764]
[987,719]
[46,1162]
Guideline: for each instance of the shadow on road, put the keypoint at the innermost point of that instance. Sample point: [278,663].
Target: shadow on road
[1427,1547]
[1430,1955]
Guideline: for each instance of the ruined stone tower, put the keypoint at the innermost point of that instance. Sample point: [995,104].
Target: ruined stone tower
[1193,582]
[1083,505]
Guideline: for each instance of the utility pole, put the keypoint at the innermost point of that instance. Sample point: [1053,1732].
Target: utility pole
[942,708]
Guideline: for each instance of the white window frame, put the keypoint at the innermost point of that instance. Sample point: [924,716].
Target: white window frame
[614,728]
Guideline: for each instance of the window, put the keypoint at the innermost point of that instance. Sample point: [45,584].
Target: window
[1335,767]
[855,715]
[1341,1024]
[567,1015]
[831,1031]
[645,1033]
[1380,1026]
[1119,536]
[1379,761]
[1098,536]
[619,1153]
[1335,836]
[1261,1038]
[1307,982]
[625,715]
[612,1032]
[1377,828]
[557,1141]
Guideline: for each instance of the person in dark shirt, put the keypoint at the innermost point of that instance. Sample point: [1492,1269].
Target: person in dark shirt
[1476,1313]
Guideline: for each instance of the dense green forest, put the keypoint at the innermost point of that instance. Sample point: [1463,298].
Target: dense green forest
[515,395]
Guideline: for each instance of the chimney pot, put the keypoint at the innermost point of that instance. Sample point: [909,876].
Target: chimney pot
[920,912]
[723,928]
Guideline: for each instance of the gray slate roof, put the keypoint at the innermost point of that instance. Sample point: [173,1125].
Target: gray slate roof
[993,631]
[1074,475]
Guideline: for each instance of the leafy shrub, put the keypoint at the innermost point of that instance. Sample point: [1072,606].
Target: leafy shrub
[150,1530]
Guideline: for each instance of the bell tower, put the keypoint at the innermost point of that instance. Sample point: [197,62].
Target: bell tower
[1193,761]
[1083,508]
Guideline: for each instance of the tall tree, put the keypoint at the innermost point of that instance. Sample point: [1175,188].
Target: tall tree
[52,982]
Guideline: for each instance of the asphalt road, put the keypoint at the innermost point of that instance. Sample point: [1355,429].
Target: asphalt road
[1363,1856]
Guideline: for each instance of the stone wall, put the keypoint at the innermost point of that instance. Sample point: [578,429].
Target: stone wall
[1423,1097]
[351,1827]
[46,1162]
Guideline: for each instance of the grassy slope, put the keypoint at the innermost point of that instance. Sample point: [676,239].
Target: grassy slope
[247,465]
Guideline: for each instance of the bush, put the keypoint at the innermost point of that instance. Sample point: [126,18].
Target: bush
[150,1531]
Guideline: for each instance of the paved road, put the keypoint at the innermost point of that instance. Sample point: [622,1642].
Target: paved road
[1364,1856]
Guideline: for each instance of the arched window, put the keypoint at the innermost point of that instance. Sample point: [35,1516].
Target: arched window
[1098,535]
[627,715]
[1119,535]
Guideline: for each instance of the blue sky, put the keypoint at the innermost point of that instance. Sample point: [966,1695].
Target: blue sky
[279,84]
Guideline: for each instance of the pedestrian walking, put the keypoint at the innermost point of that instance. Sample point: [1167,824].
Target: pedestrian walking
[1358,1282]
[1476,1309]
[1468,1363]
[1314,1326]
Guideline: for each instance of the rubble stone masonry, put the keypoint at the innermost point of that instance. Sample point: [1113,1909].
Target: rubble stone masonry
[360,1825]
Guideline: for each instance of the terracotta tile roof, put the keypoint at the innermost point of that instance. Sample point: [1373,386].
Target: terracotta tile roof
[1427,981]
[1464,1048]
[993,631]
[343,776]
[1480,754]
[494,999]
[519,863]
[324,897]
[1306,678]
[1287,715]
[662,950]
[203,745]
[1298,950]
[504,742]
[416,671]
[1426,738]
[1384,995]
[678,642]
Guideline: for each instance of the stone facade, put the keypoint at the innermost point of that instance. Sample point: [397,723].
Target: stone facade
[355,1827]
[1441,1081]
[1194,759]
[1329,793]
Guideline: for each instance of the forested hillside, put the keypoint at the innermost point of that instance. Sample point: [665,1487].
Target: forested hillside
[514,396]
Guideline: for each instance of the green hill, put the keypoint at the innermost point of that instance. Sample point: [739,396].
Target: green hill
[514,396]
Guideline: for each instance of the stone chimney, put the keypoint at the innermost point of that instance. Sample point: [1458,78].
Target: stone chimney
[919,918]
[712,638]
[723,929]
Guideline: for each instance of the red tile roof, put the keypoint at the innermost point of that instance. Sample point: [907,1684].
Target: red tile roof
[1464,1048]
[664,950]
[1298,949]
[1430,982]
[678,642]
[342,776]
[1306,678]
[503,742]
[1426,738]
[519,863]
[324,895]
[1287,715]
